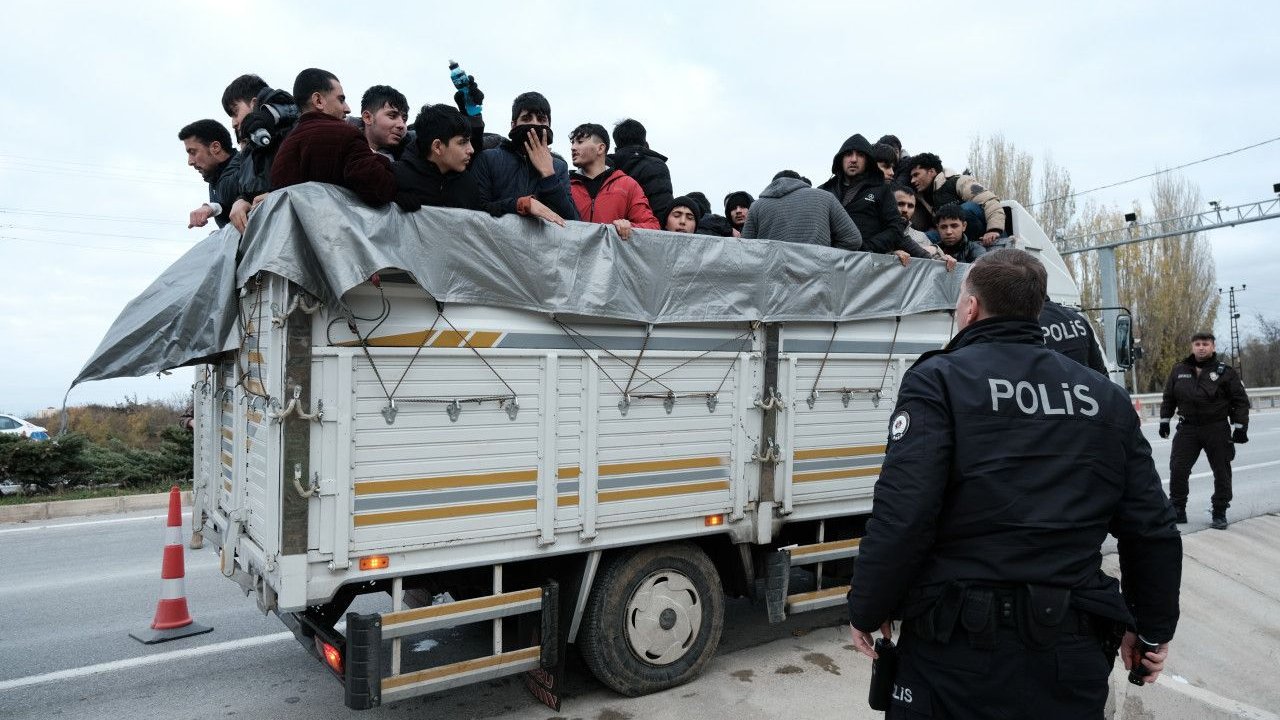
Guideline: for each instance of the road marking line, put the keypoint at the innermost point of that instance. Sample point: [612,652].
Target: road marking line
[1238,469]
[144,661]
[1212,699]
[89,522]
[1234,470]
[42,584]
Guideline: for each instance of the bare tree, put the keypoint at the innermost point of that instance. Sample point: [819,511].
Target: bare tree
[1002,167]
[1169,283]
[1081,231]
[1054,209]
[1263,351]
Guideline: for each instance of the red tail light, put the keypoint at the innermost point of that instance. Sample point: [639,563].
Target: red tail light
[332,656]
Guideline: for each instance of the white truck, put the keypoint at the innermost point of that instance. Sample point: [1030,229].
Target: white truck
[599,439]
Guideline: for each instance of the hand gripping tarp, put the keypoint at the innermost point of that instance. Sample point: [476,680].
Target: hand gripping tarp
[326,241]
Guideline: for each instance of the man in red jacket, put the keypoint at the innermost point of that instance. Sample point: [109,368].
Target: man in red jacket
[323,147]
[603,194]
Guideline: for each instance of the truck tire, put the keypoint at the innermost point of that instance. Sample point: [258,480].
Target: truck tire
[653,620]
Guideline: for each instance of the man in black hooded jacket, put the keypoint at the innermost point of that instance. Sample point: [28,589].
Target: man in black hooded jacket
[643,165]
[861,188]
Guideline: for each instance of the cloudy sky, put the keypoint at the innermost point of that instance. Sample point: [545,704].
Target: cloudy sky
[94,189]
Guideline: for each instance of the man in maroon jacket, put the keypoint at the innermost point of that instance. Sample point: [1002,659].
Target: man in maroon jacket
[603,194]
[323,147]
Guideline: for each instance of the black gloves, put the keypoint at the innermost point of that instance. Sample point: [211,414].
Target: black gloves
[1240,435]
[471,103]
[257,126]
[1164,428]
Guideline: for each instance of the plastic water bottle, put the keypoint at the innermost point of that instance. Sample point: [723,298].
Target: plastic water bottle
[462,81]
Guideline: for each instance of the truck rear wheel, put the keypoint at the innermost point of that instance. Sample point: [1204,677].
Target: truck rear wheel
[653,620]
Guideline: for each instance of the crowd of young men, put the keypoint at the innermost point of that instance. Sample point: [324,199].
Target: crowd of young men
[879,199]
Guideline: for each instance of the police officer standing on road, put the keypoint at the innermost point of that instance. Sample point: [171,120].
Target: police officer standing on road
[1068,332]
[1007,465]
[1205,392]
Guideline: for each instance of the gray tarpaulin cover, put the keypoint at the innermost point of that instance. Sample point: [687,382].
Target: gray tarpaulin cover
[326,241]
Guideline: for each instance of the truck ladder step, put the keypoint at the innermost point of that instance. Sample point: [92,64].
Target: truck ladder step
[368,687]
[817,600]
[456,674]
[460,612]
[824,551]
[779,601]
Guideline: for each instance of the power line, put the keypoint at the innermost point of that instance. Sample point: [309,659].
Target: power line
[96,175]
[92,233]
[1151,175]
[88,247]
[79,166]
[86,216]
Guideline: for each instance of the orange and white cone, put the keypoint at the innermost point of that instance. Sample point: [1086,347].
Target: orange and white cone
[173,619]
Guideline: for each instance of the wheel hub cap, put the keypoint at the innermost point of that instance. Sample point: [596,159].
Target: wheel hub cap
[663,617]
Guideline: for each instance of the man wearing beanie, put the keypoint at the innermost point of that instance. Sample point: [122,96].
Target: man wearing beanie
[682,217]
[736,206]
[861,190]
[709,223]
[645,166]
[523,164]
[792,211]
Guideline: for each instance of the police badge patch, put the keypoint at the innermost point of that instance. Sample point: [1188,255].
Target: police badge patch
[898,425]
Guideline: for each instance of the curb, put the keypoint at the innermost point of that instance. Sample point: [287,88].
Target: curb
[93,506]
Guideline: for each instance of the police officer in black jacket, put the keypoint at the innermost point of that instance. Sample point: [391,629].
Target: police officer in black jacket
[1068,332]
[1007,465]
[1204,392]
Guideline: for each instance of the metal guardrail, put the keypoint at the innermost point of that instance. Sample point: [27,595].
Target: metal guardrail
[1148,404]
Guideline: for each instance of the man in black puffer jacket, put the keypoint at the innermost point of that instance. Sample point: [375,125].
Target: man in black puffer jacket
[861,189]
[643,165]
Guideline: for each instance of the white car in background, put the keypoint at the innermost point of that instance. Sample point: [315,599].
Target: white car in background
[14,425]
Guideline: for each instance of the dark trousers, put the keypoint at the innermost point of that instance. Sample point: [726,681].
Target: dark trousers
[955,681]
[1215,440]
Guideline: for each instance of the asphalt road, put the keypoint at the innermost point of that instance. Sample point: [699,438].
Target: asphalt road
[72,591]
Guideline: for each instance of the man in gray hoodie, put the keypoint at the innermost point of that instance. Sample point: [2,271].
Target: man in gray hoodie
[790,209]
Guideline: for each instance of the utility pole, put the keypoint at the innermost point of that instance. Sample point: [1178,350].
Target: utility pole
[1235,327]
[1107,241]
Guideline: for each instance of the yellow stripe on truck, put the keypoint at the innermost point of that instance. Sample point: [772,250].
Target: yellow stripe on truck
[843,474]
[484,339]
[840,452]
[448,511]
[663,491]
[376,487]
[647,466]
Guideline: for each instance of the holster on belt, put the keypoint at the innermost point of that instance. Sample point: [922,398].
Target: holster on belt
[938,622]
[1041,610]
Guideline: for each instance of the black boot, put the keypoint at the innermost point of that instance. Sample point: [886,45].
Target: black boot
[1181,513]
[1219,521]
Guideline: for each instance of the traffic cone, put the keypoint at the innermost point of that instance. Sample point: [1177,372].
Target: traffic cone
[172,620]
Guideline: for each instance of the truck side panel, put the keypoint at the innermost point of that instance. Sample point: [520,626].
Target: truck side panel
[428,478]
